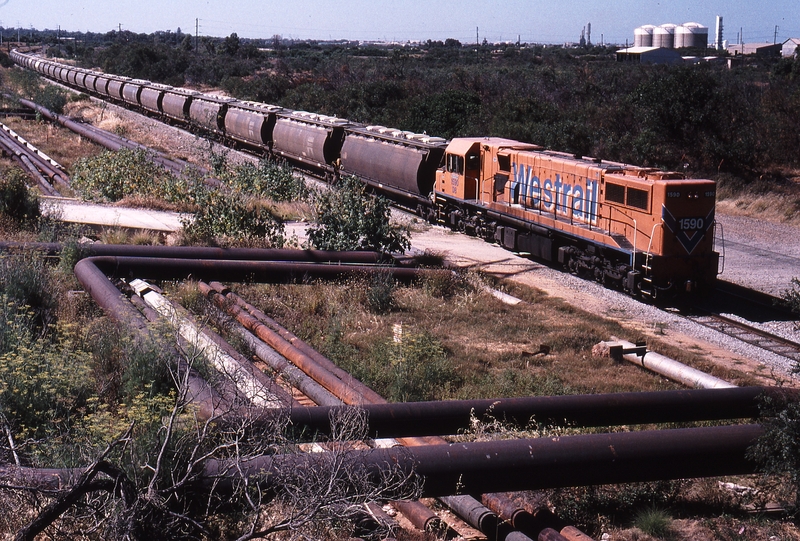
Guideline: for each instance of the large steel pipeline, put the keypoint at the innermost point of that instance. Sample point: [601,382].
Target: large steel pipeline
[25,161]
[531,523]
[40,161]
[115,142]
[614,409]
[89,273]
[293,375]
[205,252]
[673,369]
[22,142]
[330,382]
[168,269]
[348,389]
[531,464]
[107,296]
[78,128]
[252,383]
[326,373]
[160,268]
[210,403]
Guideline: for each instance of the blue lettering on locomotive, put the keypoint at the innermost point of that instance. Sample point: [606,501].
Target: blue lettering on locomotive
[558,197]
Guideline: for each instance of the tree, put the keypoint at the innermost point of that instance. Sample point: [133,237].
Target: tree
[231,45]
[350,219]
[151,482]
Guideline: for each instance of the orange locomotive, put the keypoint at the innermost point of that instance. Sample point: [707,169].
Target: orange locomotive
[642,230]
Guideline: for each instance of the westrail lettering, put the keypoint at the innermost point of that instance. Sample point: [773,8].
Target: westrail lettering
[555,196]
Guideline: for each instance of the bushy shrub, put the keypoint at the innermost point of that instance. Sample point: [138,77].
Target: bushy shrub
[18,205]
[275,182]
[653,521]
[409,367]
[350,219]
[791,296]
[52,98]
[233,215]
[26,284]
[42,383]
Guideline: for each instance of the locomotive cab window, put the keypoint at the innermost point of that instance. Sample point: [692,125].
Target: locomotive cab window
[455,164]
[504,162]
[473,163]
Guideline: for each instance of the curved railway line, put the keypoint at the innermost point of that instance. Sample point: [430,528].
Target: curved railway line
[720,323]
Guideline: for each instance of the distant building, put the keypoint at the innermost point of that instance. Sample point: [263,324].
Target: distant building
[649,55]
[789,47]
[757,49]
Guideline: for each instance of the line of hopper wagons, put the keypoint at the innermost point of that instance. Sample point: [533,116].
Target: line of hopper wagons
[640,230]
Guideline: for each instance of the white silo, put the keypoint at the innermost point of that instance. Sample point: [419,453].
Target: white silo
[664,36]
[691,35]
[643,36]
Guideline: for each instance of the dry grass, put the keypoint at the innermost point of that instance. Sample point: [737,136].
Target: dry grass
[542,346]
[59,143]
[775,200]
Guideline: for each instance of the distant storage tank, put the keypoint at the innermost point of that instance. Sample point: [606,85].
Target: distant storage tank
[643,36]
[664,36]
[691,35]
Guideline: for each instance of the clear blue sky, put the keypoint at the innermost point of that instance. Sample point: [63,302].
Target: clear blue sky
[553,21]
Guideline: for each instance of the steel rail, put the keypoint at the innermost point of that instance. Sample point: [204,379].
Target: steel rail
[748,334]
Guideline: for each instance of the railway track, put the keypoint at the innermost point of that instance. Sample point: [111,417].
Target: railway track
[748,334]
[750,306]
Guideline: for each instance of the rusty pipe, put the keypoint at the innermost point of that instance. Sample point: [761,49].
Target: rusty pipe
[281,365]
[284,348]
[203,252]
[306,354]
[161,268]
[451,416]
[107,296]
[531,464]
[532,524]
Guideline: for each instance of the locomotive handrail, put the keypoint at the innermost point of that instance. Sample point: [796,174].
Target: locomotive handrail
[722,252]
[647,254]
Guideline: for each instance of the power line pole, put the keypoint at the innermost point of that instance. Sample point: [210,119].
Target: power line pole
[196,33]
[775,39]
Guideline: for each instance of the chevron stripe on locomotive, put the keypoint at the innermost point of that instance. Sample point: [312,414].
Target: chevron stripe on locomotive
[644,231]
